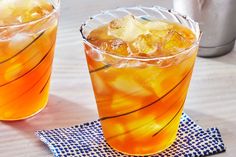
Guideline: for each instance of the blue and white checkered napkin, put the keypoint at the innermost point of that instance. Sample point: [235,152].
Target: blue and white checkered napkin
[87,140]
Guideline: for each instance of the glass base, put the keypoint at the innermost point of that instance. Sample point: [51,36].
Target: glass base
[29,116]
[147,154]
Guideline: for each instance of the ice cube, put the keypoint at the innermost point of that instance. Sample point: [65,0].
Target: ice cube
[22,4]
[120,47]
[160,35]
[46,6]
[35,10]
[157,25]
[144,44]
[19,42]
[39,6]
[18,11]
[115,46]
[185,33]
[127,28]
[175,43]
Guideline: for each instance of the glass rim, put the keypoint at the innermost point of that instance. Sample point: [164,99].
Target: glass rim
[187,18]
[55,10]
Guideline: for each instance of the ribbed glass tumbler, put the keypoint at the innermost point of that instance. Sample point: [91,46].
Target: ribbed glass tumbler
[139,100]
[26,56]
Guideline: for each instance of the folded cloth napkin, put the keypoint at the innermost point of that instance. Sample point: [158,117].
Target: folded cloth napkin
[87,140]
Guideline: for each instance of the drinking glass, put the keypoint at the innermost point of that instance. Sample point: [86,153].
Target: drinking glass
[26,56]
[139,100]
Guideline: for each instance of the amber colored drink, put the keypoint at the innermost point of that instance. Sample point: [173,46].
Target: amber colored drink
[140,76]
[27,41]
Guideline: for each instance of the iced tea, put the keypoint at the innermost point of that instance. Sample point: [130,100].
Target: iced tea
[140,70]
[27,41]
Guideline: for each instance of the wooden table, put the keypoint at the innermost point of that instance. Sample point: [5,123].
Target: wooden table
[211,100]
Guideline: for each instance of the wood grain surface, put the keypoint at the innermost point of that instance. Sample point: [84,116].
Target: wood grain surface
[211,100]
